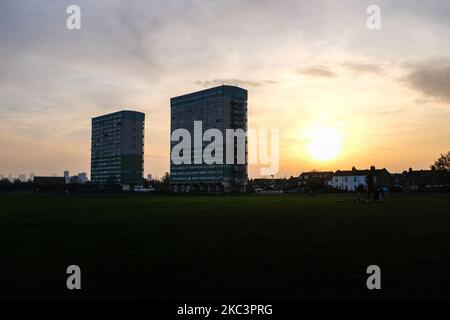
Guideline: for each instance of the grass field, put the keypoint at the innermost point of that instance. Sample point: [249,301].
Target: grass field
[258,247]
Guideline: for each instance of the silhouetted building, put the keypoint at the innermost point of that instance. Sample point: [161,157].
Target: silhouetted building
[350,179]
[82,177]
[223,107]
[117,153]
[315,178]
[422,180]
[67,176]
[49,183]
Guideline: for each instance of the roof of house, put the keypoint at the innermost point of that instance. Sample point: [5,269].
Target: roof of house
[356,172]
[419,172]
[49,180]
[316,172]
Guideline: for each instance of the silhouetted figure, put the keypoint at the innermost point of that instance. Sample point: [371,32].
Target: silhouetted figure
[380,194]
[359,192]
[370,184]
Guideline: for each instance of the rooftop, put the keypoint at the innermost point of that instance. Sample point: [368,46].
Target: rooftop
[354,172]
[130,114]
[223,90]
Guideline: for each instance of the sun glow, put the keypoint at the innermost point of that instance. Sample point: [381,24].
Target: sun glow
[325,143]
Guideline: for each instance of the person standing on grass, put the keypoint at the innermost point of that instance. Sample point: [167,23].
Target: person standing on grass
[380,194]
[370,183]
[359,191]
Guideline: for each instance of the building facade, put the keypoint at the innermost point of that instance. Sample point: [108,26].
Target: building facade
[223,107]
[422,180]
[315,178]
[117,151]
[350,180]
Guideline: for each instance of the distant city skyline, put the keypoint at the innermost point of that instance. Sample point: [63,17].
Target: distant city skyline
[341,95]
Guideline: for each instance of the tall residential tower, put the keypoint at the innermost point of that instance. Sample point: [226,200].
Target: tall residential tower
[222,108]
[117,152]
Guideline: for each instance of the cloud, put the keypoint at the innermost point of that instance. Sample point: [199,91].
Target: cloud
[361,67]
[431,78]
[139,53]
[317,71]
[237,82]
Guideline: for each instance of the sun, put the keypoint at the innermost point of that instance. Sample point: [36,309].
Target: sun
[325,143]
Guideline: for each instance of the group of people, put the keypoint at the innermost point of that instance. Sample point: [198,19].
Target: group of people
[371,189]
[376,192]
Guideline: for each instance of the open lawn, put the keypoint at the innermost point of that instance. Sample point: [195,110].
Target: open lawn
[258,247]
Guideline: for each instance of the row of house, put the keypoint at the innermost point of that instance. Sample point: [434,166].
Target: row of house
[416,180]
[341,180]
[350,180]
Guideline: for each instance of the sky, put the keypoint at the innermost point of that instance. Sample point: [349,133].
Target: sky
[313,70]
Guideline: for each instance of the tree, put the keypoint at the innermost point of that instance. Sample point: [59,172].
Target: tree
[443,163]
[166,181]
[5,184]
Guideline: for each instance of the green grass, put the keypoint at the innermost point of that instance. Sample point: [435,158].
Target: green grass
[259,247]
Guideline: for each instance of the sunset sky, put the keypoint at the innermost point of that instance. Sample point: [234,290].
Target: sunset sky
[312,69]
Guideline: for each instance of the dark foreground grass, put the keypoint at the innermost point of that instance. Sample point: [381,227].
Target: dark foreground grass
[259,247]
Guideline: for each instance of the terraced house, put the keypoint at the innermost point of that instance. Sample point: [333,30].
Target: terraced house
[350,179]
